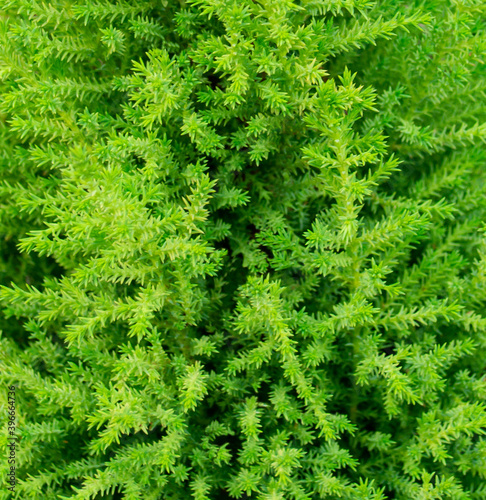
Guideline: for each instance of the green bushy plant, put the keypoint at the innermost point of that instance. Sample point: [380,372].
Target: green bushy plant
[243,251]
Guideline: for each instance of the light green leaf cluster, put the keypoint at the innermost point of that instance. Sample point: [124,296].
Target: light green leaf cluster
[242,249]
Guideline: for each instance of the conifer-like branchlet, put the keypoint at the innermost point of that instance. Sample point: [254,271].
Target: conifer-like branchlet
[242,248]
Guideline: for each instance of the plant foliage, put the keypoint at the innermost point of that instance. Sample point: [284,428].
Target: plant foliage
[242,248]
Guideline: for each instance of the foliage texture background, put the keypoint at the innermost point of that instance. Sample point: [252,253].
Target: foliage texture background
[242,248]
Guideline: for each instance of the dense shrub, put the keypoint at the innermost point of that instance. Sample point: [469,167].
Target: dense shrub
[243,251]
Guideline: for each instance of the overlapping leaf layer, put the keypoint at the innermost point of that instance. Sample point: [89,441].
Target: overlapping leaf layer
[242,248]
